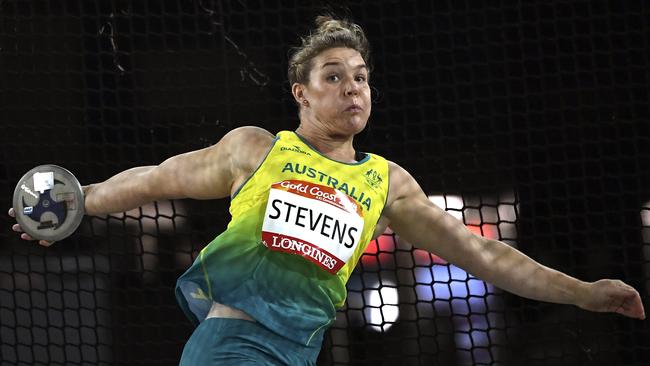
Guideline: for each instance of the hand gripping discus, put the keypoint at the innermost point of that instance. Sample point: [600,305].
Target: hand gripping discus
[49,203]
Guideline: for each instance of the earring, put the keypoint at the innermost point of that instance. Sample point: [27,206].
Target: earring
[305,102]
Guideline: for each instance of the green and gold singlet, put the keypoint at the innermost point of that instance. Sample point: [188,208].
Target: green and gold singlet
[299,225]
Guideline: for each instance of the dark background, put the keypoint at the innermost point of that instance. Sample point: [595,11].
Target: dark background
[545,99]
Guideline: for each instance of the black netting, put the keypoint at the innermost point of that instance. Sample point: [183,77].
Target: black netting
[526,119]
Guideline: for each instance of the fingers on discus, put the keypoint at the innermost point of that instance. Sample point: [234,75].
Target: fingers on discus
[11,212]
[26,237]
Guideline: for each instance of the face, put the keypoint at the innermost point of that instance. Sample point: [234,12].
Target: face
[337,95]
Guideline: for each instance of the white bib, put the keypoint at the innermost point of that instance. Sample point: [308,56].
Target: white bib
[314,221]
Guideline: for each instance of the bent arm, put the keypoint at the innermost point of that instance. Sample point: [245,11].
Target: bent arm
[415,218]
[208,173]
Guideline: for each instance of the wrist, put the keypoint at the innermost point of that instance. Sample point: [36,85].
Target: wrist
[582,292]
[87,190]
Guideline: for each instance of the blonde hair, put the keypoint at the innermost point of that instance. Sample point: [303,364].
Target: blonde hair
[329,33]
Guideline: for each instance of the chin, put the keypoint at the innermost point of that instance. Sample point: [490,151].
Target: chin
[360,129]
[346,127]
[359,126]
[353,127]
[349,129]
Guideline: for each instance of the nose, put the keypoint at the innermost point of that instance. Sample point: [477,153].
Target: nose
[351,88]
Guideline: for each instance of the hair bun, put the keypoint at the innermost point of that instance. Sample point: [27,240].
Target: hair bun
[326,23]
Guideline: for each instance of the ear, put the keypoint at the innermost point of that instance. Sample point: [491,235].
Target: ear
[298,91]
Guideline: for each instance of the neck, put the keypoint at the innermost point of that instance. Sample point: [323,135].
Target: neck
[335,146]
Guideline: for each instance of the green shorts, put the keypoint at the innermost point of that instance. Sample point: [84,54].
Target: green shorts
[223,341]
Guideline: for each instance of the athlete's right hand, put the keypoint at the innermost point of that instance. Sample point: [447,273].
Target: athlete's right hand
[25,236]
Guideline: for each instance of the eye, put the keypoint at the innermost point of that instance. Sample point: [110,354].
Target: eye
[361,78]
[332,77]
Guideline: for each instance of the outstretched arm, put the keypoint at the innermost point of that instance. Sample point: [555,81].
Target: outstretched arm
[209,173]
[415,218]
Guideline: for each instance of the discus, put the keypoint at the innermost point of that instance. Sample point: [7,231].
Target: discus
[49,203]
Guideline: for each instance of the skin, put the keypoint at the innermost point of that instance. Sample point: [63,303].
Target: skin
[339,79]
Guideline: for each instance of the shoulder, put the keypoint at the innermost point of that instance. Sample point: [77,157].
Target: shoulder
[247,143]
[404,197]
[401,183]
[398,176]
[249,135]
[247,146]
[395,168]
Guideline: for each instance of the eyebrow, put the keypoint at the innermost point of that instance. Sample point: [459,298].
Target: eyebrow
[336,63]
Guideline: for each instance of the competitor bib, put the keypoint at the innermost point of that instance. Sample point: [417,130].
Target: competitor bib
[317,222]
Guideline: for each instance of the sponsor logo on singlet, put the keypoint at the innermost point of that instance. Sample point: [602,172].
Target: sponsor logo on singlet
[296,149]
[314,221]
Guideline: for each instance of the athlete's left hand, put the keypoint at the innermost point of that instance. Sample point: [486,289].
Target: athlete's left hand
[612,296]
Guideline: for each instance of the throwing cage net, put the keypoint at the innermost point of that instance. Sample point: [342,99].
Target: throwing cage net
[526,120]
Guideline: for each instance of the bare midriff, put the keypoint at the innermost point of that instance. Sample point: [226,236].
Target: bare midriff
[219,310]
